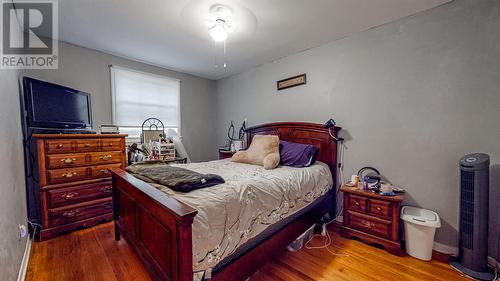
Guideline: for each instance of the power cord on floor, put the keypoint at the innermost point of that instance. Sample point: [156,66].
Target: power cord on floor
[328,242]
[34,226]
[339,182]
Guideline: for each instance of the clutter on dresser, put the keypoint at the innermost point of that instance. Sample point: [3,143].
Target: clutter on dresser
[234,144]
[369,179]
[109,129]
[134,154]
[156,145]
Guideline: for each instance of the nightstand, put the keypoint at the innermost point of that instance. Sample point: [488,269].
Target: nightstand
[223,154]
[372,218]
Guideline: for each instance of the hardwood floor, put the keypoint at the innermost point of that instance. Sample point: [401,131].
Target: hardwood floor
[93,255]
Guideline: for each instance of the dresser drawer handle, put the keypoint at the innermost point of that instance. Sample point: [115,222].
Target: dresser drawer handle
[110,144]
[103,171]
[367,224]
[356,203]
[106,157]
[87,145]
[59,145]
[70,214]
[68,160]
[69,175]
[107,205]
[379,209]
[69,196]
[106,189]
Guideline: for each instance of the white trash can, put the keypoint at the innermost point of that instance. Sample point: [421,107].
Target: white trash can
[420,226]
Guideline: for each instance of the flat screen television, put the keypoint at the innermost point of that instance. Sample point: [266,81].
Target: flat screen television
[54,106]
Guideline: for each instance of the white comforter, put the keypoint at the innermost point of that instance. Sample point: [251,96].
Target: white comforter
[251,199]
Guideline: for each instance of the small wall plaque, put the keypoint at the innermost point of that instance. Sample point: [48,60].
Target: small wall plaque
[291,82]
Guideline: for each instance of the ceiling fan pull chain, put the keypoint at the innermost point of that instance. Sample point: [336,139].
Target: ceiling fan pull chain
[224,53]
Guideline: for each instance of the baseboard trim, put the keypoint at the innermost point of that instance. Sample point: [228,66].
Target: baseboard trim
[453,251]
[24,264]
[445,249]
[441,252]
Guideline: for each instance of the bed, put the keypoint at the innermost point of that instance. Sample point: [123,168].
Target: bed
[185,236]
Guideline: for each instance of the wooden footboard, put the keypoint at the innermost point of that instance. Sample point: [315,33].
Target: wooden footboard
[157,226]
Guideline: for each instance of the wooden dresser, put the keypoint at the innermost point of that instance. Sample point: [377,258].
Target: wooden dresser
[372,218]
[75,184]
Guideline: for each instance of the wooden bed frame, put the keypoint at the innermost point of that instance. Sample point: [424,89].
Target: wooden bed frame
[158,227]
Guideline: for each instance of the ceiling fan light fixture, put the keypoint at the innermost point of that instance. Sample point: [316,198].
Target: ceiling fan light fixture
[218,32]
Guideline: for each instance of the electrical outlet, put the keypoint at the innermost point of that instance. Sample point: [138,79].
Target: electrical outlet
[22,231]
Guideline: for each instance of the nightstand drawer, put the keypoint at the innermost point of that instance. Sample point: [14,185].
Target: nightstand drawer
[357,203]
[369,224]
[380,208]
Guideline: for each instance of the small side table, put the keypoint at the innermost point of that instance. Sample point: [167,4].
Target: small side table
[223,154]
[372,218]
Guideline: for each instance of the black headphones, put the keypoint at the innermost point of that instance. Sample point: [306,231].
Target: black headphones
[371,173]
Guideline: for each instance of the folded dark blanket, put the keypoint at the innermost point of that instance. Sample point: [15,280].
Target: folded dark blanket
[175,178]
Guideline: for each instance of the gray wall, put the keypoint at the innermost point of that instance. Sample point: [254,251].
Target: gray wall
[87,70]
[12,183]
[413,96]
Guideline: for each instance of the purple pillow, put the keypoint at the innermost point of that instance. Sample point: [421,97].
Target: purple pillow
[297,154]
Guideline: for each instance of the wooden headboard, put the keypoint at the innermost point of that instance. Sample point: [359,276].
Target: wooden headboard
[306,133]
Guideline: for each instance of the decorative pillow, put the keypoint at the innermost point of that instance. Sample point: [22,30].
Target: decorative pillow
[297,154]
[263,151]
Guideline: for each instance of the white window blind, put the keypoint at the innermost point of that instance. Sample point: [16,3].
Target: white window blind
[138,96]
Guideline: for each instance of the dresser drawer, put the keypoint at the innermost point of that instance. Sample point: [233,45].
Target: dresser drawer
[68,175]
[57,161]
[380,208]
[68,214]
[102,170]
[369,224]
[111,144]
[77,194]
[59,146]
[105,157]
[86,145]
[357,203]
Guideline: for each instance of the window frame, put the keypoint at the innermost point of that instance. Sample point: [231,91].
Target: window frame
[113,68]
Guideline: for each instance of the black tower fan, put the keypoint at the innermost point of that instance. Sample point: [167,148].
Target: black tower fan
[474,194]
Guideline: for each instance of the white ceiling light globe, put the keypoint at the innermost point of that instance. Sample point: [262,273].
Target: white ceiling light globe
[219,32]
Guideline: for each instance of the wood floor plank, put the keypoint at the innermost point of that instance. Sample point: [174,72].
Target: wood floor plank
[93,255]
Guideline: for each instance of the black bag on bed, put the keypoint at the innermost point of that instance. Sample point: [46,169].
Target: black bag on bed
[178,179]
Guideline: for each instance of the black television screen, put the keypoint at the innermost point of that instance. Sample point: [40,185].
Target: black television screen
[50,105]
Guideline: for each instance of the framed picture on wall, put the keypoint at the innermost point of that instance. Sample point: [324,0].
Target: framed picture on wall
[291,82]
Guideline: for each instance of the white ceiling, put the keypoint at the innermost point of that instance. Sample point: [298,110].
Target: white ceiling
[171,33]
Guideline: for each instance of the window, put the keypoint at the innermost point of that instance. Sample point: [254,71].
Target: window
[137,96]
